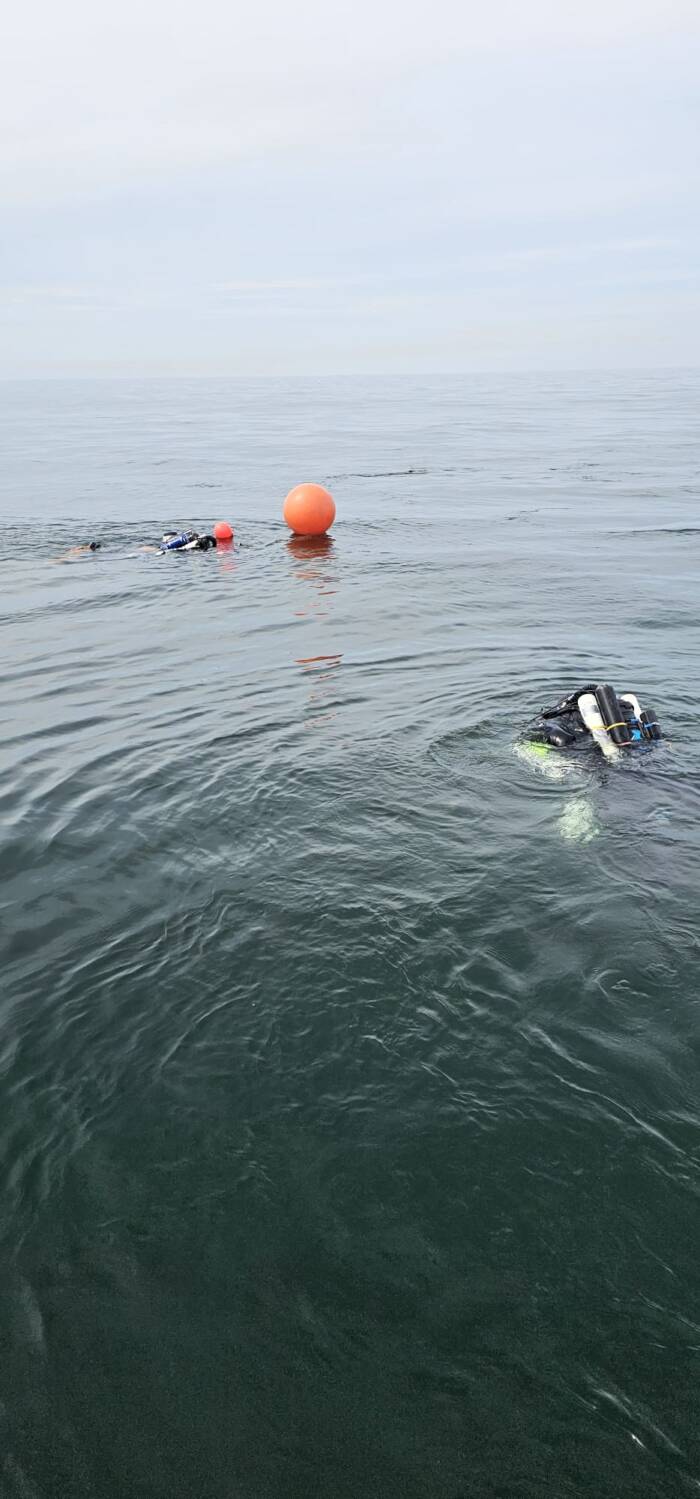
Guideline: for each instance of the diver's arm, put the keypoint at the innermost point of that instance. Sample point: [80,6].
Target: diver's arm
[73,552]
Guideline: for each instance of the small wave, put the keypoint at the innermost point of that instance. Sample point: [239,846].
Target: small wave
[657,531]
[388,473]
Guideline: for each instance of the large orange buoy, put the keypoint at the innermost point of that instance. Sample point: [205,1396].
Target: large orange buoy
[309,510]
[223,531]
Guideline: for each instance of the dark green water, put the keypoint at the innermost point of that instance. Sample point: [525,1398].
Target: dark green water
[349,1104]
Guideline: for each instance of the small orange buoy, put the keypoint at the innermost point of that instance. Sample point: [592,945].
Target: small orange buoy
[309,510]
[223,531]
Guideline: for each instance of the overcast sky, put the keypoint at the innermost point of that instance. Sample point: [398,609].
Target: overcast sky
[221,188]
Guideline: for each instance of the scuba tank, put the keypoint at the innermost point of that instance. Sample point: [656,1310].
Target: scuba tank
[611,713]
[176,542]
[591,715]
[200,543]
[633,716]
[650,727]
[629,697]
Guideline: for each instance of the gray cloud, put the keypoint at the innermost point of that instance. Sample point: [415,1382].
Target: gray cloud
[189,187]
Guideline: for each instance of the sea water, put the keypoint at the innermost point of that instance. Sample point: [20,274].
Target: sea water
[349,1077]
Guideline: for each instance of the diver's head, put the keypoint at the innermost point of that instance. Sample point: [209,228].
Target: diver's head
[94,546]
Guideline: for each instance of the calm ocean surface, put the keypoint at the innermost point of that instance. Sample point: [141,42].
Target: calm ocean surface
[349,1064]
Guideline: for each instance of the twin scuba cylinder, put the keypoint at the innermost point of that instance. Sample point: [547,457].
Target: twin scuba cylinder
[614,722]
[650,724]
[611,727]
[176,541]
[643,723]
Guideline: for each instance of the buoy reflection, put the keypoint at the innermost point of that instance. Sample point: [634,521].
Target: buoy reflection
[306,548]
[226,556]
[311,557]
[309,554]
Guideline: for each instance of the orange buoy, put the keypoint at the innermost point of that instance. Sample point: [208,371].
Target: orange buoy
[309,510]
[223,531]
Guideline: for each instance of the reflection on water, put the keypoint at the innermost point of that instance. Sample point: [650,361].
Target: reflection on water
[312,556]
[310,548]
[227,556]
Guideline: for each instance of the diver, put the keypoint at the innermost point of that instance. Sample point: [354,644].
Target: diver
[186,541]
[595,715]
[183,541]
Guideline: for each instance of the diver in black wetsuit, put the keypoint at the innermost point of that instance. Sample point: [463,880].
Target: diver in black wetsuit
[595,715]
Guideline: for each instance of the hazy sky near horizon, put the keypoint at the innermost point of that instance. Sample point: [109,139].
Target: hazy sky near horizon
[219,189]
